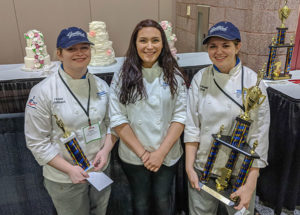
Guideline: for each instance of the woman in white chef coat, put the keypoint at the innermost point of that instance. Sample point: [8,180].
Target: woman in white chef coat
[148,111]
[80,100]
[215,99]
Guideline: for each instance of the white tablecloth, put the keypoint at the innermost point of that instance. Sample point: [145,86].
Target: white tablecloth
[15,71]
[286,86]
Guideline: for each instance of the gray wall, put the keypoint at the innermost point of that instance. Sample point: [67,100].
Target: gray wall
[50,16]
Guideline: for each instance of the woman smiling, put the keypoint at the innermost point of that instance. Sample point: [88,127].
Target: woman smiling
[148,109]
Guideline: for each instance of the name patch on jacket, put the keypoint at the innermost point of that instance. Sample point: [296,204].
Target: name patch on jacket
[203,88]
[59,100]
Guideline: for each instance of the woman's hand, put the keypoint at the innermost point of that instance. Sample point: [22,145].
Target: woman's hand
[145,156]
[245,195]
[245,192]
[100,160]
[155,161]
[77,175]
[193,178]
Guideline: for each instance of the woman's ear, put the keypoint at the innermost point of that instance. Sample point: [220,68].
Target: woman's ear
[238,47]
[59,54]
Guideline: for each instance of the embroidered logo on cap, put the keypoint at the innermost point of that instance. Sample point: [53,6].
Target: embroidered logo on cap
[218,28]
[74,34]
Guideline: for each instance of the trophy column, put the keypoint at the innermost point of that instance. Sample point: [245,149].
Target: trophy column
[246,165]
[281,35]
[211,157]
[271,59]
[288,59]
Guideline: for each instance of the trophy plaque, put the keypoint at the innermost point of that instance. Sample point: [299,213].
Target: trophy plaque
[224,186]
[273,68]
[70,141]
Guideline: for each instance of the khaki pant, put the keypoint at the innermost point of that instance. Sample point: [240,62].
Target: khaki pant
[77,199]
[201,203]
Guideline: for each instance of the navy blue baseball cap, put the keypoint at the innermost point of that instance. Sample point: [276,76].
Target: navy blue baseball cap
[71,36]
[225,30]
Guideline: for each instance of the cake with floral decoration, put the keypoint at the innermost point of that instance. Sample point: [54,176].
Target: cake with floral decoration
[102,52]
[167,26]
[36,51]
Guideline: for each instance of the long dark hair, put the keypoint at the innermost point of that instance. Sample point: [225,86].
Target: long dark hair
[131,77]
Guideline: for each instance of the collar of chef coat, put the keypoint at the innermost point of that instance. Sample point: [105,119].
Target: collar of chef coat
[233,72]
[150,74]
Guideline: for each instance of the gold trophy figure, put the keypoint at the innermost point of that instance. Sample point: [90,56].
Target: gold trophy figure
[70,141]
[284,14]
[254,96]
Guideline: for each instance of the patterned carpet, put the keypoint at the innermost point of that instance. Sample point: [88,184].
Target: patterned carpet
[264,210]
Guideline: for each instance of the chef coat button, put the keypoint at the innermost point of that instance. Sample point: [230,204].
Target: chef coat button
[139,122]
[158,121]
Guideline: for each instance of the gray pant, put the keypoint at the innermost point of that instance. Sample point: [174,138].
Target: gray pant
[201,203]
[77,199]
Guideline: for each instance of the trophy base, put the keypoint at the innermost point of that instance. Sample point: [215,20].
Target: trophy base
[282,77]
[223,196]
[245,150]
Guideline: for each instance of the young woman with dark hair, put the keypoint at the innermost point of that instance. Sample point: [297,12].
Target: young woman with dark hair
[148,110]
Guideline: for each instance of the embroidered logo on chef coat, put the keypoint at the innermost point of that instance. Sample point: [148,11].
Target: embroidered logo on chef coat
[31,103]
[238,93]
[58,100]
[101,94]
[165,85]
[203,88]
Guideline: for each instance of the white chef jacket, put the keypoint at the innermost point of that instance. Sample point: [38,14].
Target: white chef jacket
[208,108]
[50,97]
[149,118]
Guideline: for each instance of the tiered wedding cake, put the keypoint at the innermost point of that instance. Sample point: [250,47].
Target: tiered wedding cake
[102,53]
[36,51]
[167,26]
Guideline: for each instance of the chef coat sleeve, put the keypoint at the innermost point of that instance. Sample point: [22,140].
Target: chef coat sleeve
[117,111]
[38,126]
[192,125]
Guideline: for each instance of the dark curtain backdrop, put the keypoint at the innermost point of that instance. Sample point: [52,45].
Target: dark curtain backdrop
[279,183]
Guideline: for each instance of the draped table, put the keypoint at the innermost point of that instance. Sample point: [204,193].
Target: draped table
[279,183]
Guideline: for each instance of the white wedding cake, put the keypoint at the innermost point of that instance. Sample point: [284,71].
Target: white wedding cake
[36,51]
[167,26]
[102,52]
